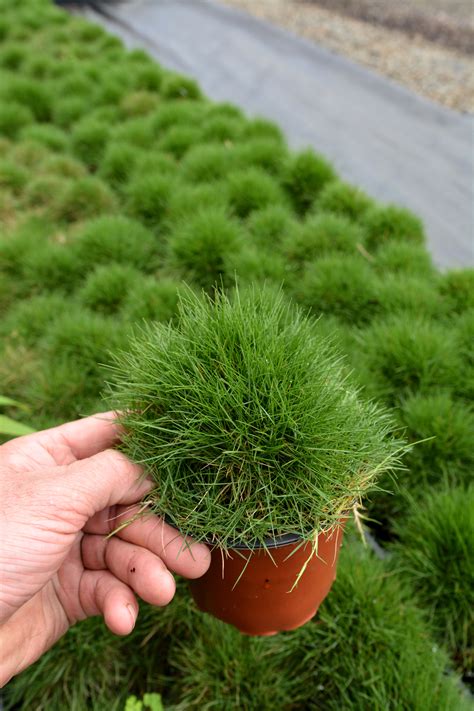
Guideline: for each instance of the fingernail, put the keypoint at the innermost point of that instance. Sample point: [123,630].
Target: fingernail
[132,613]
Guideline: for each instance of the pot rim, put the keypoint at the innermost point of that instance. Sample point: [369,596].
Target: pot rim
[285,539]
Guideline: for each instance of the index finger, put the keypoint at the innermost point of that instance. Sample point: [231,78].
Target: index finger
[181,554]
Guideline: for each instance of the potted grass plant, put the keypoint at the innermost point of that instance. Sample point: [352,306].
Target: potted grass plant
[258,445]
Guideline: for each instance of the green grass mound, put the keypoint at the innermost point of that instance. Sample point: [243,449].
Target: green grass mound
[434,555]
[339,285]
[201,249]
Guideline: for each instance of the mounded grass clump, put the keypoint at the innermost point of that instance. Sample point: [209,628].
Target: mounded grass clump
[29,154]
[189,199]
[138,103]
[264,153]
[148,197]
[220,129]
[434,554]
[178,140]
[118,163]
[369,647]
[403,258]
[457,290]
[252,189]
[385,223]
[341,285]
[30,93]
[87,667]
[49,267]
[63,166]
[271,225]
[114,239]
[447,428]
[152,299]
[175,86]
[47,135]
[14,117]
[412,294]
[75,346]
[105,288]
[201,249]
[306,175]
[225,669]
[68,109]
[266,397]
[206,163]
[12,176]
[320,235]
[81,199]
[343,199]
[89,138]
[405,354]
[137,132]
[27,319]
[177,113]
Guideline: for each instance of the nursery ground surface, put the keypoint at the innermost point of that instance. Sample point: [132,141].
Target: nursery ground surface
[395,144]
[119,183]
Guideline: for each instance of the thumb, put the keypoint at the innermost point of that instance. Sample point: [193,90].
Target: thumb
[103,480]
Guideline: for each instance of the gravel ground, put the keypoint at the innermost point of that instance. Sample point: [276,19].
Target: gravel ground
[439,73]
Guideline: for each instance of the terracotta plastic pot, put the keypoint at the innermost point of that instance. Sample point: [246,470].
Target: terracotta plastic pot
[262,601]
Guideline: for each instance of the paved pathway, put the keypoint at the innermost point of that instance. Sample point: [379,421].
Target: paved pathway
[396,145]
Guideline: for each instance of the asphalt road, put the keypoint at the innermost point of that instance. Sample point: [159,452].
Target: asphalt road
[398,146]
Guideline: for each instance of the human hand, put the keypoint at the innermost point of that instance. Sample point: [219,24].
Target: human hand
[62,491]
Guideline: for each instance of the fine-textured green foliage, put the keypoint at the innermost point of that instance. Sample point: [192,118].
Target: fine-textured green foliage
[319,235]
[387,223]
[434,554]
[81,199]
[152,299]
[343,199]
[447,426]
[107,286]
[201,249]
[13,117]
[403,258]
[457,289]
[88,141]
[305,177]
[86,668]
[406,354]
[369,647]
[252,189]
[114,239]
[341,285]
[147,198]
[266,438]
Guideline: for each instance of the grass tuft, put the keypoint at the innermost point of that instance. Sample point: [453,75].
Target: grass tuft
[114,239]
[106,288]
[434,554]
[81,199]
[306,175]
[341,285]
[252,189]
[384,224]
[241,409]
[343,199]
[201,248]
